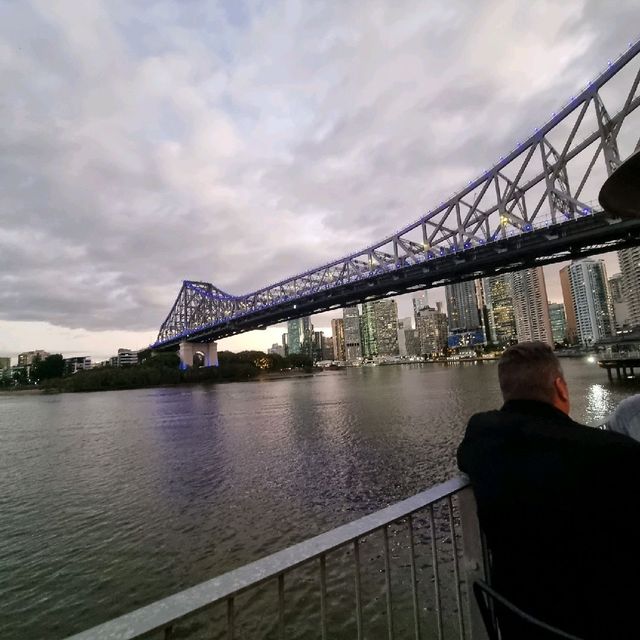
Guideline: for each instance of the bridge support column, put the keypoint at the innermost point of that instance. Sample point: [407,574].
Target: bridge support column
[186,352]
[188,349]
[211,354]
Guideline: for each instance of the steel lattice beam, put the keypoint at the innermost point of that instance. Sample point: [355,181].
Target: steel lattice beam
[527,193]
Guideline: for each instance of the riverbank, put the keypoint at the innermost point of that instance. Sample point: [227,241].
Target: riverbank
[162,370]
[111,380]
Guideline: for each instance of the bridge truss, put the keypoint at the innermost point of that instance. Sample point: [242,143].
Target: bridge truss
[533,207]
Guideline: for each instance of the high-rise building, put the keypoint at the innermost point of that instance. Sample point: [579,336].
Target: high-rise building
[339,349]
[408,339]
[412,342]
[368,331]
[126,358]
[558,321]
[318,343]
[620,302]
[276,349]
[629,260]
[327,348]
[26,359]
[352,343]
[616,288]
[501,319]
[462,306]
[294,336]
[571,323]
[587,301]
[79,363]
[386,321]
[420,301]
[307,338]
[531,306]
[484,311]
[432,332]
[5,363]
[404,324]
[285,344]
[300,336]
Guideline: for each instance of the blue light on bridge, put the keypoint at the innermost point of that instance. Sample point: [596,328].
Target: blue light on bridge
[228,308]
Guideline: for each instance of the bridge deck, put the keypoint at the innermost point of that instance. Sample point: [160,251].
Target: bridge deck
[582,237]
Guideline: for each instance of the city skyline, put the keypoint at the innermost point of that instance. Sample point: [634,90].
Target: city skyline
[407,307]
[143,151]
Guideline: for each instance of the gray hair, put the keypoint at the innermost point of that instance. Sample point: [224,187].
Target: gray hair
[527,371]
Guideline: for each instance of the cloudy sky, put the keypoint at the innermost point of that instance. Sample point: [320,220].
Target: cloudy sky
[143,143]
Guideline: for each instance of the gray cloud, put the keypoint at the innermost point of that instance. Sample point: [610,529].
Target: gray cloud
[242,143]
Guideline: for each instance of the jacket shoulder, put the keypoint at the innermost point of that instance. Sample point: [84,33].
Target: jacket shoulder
[481,428]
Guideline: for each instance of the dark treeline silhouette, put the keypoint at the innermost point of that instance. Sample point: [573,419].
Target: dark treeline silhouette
[40,370]
[163,369]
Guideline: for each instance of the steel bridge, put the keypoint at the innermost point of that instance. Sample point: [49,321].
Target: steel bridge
[534,207]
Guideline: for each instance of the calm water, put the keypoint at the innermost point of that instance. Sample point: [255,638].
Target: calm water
[109,501]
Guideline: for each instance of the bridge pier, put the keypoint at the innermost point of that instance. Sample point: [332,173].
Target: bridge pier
[187,350]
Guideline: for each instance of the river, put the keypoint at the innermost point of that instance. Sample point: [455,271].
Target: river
[111,500]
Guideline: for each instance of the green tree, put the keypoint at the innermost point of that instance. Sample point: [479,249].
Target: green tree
[51,367]
[298,361]
[20,376]
[159,359]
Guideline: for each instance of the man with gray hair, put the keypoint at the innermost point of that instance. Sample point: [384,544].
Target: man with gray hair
[558,502]
[531,371]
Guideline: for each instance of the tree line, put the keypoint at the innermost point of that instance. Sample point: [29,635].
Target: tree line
[155,369]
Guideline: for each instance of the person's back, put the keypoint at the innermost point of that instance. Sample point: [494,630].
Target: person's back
[625,418]
[558,502]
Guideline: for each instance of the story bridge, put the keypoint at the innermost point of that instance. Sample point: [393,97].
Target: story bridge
[534,207]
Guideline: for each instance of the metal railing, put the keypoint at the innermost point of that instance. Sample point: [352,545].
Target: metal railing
[401,572]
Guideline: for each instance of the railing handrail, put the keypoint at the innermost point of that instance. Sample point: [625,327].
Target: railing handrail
[172,609]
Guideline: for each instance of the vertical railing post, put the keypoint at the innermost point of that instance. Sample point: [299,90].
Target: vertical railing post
[473,559]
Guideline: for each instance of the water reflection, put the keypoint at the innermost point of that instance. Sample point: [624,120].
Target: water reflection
[112,500]
[599,403]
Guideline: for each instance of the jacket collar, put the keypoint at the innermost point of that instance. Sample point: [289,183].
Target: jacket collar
[536,408]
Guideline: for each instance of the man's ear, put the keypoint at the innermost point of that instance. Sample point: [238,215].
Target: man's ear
[562,390]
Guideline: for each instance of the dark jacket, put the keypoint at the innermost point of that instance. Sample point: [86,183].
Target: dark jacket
[559,503]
